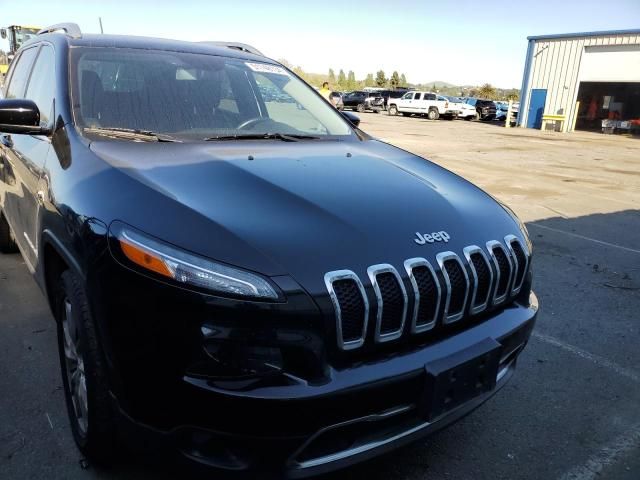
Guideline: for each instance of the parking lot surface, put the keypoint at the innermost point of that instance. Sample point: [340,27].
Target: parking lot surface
[571,412]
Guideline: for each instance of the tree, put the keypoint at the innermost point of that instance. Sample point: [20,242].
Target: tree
[403,80]
[513,95]
[381,80]
[332,77]
[394,81]
[434,88]
[487,91]
[342,80]
[369,81]
[351,80]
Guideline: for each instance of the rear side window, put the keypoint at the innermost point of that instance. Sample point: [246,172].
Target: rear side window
[41,87]
[20,74]
[429,96]
[417,96]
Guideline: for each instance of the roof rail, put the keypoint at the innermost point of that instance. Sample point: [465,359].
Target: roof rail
[243,47]
[71,29]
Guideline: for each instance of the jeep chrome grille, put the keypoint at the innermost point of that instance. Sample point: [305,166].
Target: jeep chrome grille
[351,307]
[456,284]
[426,292]
[426,297]
[392,302]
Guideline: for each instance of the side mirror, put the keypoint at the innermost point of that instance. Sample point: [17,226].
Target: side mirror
[352,118]
[20,116]
[3,33]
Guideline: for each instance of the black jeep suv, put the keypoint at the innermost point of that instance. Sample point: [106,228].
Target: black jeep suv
[252,282]
[363,101]
[485,109]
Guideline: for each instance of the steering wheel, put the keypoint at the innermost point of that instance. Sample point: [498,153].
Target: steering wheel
[252,122]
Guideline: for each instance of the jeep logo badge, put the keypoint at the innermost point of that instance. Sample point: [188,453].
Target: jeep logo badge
[422,238]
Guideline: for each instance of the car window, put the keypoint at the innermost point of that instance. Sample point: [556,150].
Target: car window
[20,74]
[41,88]
[408,96]
[429,96]
[417,96]
[194,95]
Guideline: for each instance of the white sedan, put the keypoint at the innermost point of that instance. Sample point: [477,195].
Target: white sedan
[466,111]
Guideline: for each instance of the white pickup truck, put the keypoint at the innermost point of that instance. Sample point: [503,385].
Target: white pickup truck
[422,103]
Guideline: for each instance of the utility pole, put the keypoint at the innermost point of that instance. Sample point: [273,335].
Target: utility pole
[100,20]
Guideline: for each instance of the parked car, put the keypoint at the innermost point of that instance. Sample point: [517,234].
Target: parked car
[243,284]
[363,101]
[465,111]
[485,109]
[392,94]
[422,103]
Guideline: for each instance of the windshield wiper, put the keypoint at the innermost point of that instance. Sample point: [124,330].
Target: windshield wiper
[285,137]
[131,134]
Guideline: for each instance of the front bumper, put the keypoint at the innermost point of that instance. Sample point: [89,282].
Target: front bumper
[297,428]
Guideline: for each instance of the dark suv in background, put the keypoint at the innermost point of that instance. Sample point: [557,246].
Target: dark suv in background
[236,271]
[485,109]
[391,94]
[363,101]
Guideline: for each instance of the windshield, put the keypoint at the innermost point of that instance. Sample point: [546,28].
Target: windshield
[195,96]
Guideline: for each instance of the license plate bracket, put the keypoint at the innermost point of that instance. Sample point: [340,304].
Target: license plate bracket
[456,379]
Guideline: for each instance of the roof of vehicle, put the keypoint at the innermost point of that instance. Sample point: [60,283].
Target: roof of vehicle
[146,43]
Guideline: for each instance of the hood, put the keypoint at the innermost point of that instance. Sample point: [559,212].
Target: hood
[302,208]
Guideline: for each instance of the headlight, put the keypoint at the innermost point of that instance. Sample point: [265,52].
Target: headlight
[189,269]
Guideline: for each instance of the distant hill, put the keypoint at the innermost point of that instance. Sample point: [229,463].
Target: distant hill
[439,84]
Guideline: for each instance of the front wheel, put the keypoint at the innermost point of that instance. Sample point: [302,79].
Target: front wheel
[7,241]
[393,110]
[84,373]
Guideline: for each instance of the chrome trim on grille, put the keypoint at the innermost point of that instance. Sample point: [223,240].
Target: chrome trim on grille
[373,271]
[468,252]
[509,240]
[334,276]
[441,258]
[491,244]
[409,265]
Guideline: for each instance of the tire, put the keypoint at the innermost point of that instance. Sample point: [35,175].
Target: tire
[84,375]
[478,117]
[433,114]
[393,110]
[469,117]
[361,107]
[7,242]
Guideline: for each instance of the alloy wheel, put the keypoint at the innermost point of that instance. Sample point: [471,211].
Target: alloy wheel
[74,364]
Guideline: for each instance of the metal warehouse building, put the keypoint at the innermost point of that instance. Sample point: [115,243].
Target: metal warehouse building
[582,81]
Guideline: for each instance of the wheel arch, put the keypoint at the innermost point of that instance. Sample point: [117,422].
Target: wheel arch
[56,258]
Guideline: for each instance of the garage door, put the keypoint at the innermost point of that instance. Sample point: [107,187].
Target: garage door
[615,63]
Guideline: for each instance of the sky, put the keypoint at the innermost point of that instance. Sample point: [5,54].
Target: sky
[460,42]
